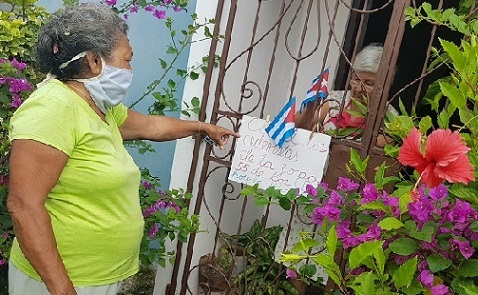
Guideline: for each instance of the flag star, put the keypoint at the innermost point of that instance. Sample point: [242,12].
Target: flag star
[324,83]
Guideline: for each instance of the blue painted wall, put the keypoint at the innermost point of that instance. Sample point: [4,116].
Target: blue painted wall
[149,38]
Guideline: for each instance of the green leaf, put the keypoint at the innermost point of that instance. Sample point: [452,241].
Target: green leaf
[171,50]
[390,223]
[403,246]
[404,275]
[207,32]
[459,60]
[194,75]
[447,13]
[284,203]
[367,285]
[444,119]
[436,262]
[410,225]
[308,270]
[364,218]
[427,7]
[250,190]
[403,201]
[261,201]
[181,73]
[391,150]
[425,124]
[426,233]
[310,243]
[380,260]
[362,252]
[469,291]
[171,84]
[195,101]
[376,205]
[403,110]
[469,268]
[379,176]
[330,267]
[456,97]
[357,162]
[163,63]
[414,288]
[331,242]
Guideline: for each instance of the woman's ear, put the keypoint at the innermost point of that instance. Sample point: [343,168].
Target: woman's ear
[95,63]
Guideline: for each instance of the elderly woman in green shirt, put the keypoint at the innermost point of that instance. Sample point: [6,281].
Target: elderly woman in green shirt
[73,187]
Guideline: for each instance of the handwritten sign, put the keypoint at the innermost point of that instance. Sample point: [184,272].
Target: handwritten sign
[258,159]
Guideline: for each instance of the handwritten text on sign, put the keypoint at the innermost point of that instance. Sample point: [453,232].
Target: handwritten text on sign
[258,159]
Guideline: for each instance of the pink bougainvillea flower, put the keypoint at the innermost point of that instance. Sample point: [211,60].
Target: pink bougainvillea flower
[370,193]
[19,65]
[153,231]
[110,2]
[440,290]
[289,273]
[466,249]
[444,158]
[146,184]
[426,278]
[160,14]
[311,190]
[347,185]
[335,199]
[17,101]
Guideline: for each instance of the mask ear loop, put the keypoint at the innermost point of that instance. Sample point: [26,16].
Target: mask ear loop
[96,77]
[76,57]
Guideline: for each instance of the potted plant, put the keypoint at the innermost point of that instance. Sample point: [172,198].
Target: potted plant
[261,273]
[215,270]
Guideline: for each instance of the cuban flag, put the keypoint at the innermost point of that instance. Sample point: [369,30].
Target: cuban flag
[283,125]
[318,89]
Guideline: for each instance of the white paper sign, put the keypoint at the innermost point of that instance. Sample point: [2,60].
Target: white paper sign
[258,159]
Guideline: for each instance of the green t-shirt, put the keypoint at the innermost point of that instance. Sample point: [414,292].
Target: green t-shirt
[94,206]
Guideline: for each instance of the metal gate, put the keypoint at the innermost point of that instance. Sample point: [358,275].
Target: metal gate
[271,51]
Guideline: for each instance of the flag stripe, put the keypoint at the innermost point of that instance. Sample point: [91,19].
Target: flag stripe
[283,125]
[318,89]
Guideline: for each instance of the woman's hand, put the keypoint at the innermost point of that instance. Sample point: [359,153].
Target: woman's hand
[218,134]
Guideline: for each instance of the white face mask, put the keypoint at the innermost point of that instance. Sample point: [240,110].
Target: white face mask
[109,88]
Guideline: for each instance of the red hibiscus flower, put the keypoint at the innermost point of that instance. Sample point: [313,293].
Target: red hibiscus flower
[444,158]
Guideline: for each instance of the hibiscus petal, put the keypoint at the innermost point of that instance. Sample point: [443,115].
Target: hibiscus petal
[444,146]
[430,176]
[410,153]
[459,170]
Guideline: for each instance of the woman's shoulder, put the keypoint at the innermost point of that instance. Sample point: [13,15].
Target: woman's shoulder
[52,94]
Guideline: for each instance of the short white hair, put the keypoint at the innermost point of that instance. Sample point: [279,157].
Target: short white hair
[368,59]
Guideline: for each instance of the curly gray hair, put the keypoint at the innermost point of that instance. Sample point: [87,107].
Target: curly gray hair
[368,59]
[73,30]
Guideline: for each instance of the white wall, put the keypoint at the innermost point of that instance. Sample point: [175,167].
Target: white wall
[285,68]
